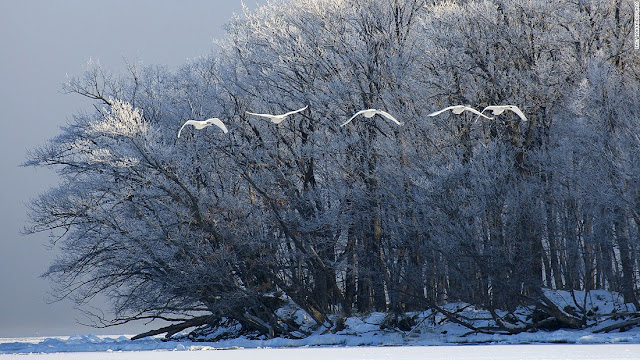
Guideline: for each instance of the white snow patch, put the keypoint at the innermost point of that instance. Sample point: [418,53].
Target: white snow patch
[431,328]
[478,352]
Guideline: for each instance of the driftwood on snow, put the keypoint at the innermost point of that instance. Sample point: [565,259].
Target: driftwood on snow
[175,328]
[619,326]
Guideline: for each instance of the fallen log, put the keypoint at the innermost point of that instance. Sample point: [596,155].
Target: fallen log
[175,328]
[618,326]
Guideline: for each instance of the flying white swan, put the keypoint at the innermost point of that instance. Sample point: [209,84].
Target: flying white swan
[277,119]
[203,124]
[369,113]
[499,109]
[459,109]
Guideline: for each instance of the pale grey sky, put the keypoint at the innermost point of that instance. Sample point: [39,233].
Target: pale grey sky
[40,43]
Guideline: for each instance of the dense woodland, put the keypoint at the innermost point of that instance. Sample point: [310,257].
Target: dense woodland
[371,216]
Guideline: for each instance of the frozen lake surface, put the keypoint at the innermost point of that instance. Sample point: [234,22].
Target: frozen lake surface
[455,352]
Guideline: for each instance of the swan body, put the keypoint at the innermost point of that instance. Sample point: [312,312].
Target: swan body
[459,109]
[277,119]
[203,124]
[369,113]
[499,109]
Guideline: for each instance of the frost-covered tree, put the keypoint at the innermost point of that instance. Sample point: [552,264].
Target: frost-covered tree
[370,216]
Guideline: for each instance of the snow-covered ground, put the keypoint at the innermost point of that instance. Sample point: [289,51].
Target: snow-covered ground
[364,341]
[450,352]
[432,336]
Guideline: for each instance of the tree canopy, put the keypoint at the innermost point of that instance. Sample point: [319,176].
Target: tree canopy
[371,216]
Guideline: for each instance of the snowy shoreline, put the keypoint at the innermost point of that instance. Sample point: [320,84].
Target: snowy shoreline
[428,328]
[448,337]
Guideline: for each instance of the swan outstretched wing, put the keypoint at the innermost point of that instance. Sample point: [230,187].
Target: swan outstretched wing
[277,118]
[467,108]
[518,112]
[203,124]
[496,109]
[217,122]
[188,122]
[295,111]
[459,109]
[499,109]
[354,115]
[443,110]
[388,116]
[263,115]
